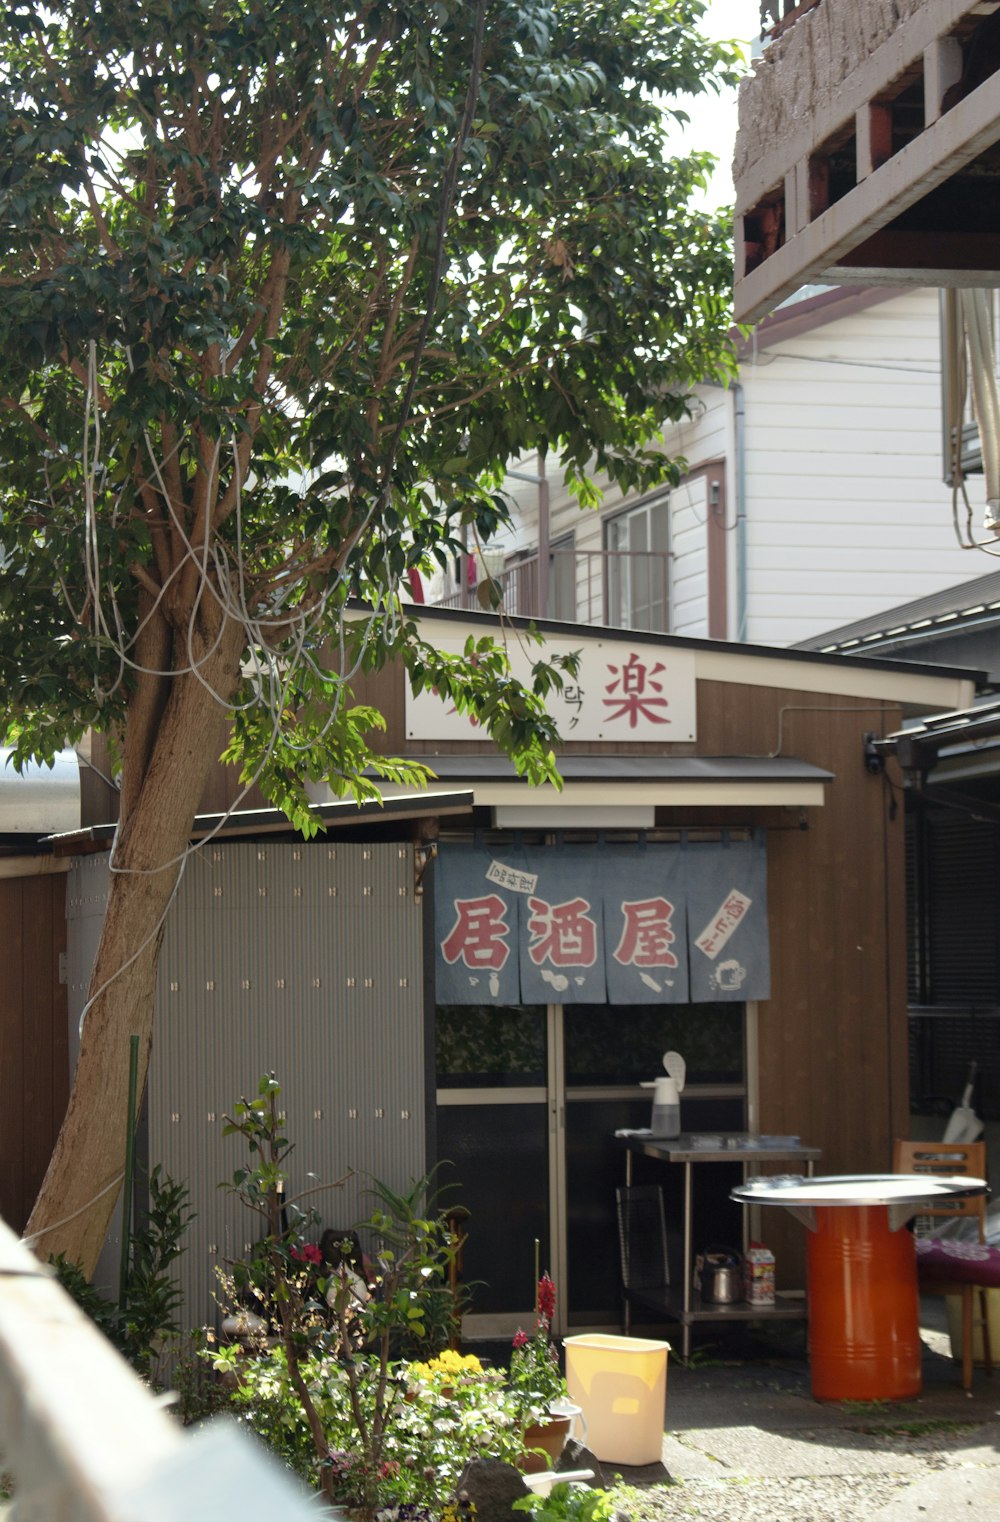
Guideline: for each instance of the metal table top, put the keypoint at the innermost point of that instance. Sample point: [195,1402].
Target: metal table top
[903,1194]
[856,1189]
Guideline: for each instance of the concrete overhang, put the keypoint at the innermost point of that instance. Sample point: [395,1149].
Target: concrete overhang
[868,154]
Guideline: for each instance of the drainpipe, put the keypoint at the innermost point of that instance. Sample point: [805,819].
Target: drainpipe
[740,446]
[541,481]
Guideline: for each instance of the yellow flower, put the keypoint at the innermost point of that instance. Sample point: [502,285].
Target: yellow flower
[449,1362]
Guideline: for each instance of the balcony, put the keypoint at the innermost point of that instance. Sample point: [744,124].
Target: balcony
[867,150]
[620,589]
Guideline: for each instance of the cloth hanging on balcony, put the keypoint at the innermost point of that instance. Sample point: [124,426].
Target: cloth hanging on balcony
[598,924]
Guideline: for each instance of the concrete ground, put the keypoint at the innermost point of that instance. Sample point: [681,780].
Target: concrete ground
[746,1442]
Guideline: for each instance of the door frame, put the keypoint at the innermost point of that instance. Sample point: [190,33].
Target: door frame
[554,1096]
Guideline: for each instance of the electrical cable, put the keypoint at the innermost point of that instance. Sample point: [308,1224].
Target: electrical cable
[35,1236]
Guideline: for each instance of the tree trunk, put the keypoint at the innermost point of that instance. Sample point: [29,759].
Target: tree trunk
[83,1180]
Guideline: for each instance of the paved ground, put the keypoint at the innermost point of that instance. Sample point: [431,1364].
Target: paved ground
[746,1442]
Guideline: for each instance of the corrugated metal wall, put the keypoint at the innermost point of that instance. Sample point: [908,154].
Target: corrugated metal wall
[304,960]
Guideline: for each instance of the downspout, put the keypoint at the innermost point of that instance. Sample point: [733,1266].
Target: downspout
[541,481]
[740,447]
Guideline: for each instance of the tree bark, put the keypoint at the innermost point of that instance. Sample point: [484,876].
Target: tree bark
[83,1180]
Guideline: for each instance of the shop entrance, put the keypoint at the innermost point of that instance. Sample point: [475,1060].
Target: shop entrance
[528,1100]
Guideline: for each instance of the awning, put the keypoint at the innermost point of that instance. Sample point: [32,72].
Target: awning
[343,812]
[691,781]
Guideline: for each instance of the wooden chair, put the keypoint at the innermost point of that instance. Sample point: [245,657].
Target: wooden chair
[949,1266]
[642,1241]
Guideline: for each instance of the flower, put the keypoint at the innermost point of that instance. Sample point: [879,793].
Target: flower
[307,1253]
[546,1298]
[534,1362]
[448,1364]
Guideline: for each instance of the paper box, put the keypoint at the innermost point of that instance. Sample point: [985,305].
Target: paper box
[758,1275]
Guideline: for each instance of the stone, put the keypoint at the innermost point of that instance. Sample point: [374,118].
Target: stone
[576,1456]
[492,1487]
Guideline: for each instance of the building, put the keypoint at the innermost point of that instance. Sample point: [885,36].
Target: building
[813,495]
[403,1040]
[867,149]
[951,771]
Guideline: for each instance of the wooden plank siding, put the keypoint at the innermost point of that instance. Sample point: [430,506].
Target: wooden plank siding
[34,1037]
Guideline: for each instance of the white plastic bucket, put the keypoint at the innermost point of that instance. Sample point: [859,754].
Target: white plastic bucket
[621,1385]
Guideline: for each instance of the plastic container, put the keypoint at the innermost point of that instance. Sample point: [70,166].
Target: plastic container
[621,1385]
[666,1121]
[954,1306]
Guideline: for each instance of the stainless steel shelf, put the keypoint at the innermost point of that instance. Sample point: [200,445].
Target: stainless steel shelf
[789,1305]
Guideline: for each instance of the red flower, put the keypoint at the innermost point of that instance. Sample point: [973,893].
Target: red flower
[546,1298]
[521,1339]
[307,1253]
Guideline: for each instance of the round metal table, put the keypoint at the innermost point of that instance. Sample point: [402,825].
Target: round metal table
[864,1309]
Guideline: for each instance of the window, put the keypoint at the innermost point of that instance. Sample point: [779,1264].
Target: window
[637,542]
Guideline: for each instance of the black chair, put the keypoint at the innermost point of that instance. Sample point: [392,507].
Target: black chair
[642,1241]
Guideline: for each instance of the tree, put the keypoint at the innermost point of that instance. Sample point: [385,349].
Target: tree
[284,286]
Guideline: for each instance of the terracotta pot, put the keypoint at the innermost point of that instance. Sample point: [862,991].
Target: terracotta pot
[550,1436]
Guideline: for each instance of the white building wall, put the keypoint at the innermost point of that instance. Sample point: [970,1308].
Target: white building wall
[845,510]
[689,559]
[845,507]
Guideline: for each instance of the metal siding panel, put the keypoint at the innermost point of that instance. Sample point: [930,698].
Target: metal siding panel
[329,941]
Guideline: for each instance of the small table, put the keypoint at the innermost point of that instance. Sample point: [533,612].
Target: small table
[718,1147]
[864,1308]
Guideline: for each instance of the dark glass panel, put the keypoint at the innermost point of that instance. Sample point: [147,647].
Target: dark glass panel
[624,1043]
[595,1166]
[483,1046]
[497,1155]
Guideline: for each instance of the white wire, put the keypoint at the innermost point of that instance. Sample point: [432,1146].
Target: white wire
[35,1236]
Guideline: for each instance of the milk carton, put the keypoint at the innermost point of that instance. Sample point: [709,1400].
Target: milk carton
[758,1275]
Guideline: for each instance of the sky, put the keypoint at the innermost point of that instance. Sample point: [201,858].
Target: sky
[713,117]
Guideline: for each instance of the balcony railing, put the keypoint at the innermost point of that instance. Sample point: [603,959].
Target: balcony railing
[623,589]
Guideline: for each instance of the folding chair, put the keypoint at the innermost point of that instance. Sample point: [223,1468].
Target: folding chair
[642,1241]
[948,1266]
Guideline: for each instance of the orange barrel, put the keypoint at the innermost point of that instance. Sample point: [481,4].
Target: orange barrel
[864,1311]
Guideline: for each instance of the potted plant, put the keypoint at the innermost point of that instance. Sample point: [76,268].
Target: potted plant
[537,1382]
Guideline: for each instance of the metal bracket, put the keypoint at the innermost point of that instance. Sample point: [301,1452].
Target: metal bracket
[900,1214]
[804,1213]
[422,858]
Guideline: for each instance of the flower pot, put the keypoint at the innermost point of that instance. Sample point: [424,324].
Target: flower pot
[551,1437]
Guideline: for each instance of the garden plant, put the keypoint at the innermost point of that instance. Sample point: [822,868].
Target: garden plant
[350,1382]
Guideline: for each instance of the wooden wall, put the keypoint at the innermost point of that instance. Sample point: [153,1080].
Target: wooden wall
[833,1054]
[34,1037]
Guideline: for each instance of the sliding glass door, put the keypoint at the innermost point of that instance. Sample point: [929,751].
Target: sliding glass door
[528,1100]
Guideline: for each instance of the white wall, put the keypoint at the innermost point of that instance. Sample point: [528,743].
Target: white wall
[847,513]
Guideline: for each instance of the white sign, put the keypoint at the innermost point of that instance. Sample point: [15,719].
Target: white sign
[624,690]
[510,877]
[721,926]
